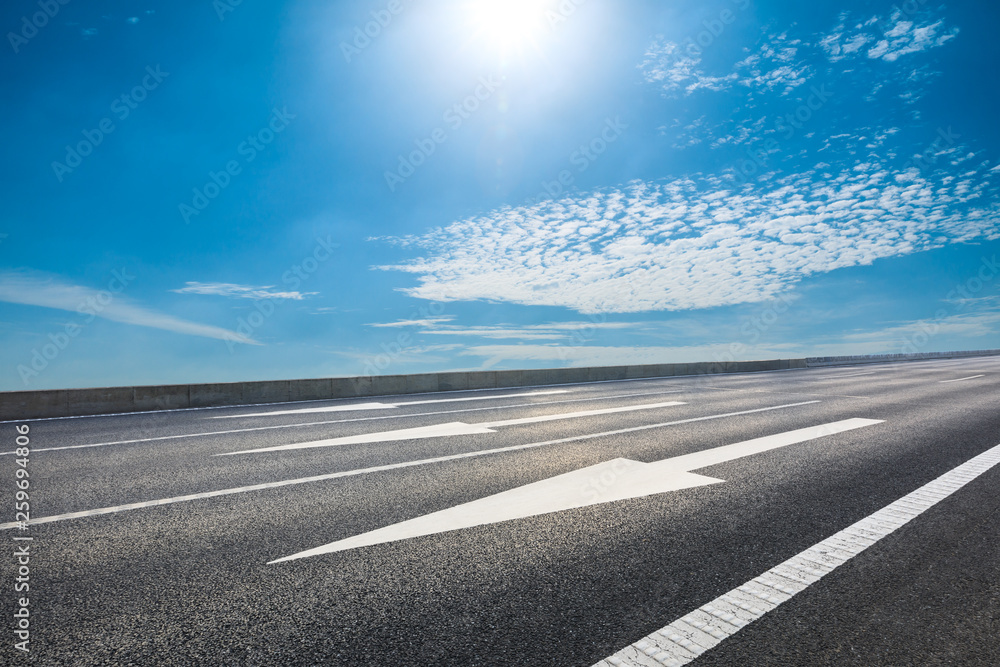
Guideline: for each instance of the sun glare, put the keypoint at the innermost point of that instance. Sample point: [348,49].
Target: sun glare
[507,24]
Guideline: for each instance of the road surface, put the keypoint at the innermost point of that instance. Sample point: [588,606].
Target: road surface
[842,516]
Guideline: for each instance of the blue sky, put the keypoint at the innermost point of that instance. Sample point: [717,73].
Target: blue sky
[210,192]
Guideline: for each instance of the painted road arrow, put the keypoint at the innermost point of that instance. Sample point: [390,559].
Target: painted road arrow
[619,479]
[449,429]
[388,406]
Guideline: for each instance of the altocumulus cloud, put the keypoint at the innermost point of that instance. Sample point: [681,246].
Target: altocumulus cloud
[698,242]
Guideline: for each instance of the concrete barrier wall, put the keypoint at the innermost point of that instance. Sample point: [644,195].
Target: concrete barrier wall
[79,402]
[889,358]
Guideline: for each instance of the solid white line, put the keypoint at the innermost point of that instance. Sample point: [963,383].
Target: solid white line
[393,466]
[385,406]
[443,430]
[971,377]
[342,421]
[689,636]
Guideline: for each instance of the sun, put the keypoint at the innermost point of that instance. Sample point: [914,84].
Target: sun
[508,25]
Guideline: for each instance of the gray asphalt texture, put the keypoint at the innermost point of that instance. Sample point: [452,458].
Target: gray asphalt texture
[189,583]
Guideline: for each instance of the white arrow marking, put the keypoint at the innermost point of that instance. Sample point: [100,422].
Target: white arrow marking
[387,406]
[384,468]
[449,429]
[606,482]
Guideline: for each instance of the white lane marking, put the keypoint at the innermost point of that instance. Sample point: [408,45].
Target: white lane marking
[837,377]
[444,430]
[971,377]
[688,637]
[344,421]
[388,406]
[619,479]
[392,466]
[581,413]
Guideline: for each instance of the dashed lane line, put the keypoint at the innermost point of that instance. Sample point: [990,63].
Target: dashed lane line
[971,377]
[362,471]
[692,635]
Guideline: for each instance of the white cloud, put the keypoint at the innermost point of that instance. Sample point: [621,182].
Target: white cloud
[47,292]
[553,331]
[962,325]
[887,40]
[600,355]
[774,66]
[429,322]
[240,291]
[666,64]
[695,243]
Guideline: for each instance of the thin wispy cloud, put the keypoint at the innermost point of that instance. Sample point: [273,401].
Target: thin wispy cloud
[609,355]
[235,291]
[47,292]
[553,331]
[428,322]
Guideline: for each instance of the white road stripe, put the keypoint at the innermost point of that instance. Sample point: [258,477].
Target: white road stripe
[393,466]
[582,413]
[388,406]
[444,430]
[837,377]
[971,377]
[341,421]
[689,636]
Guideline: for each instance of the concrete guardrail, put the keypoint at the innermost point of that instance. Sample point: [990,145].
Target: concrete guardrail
[80,402]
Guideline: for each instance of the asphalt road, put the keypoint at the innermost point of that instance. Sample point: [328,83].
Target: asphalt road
[192,581]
